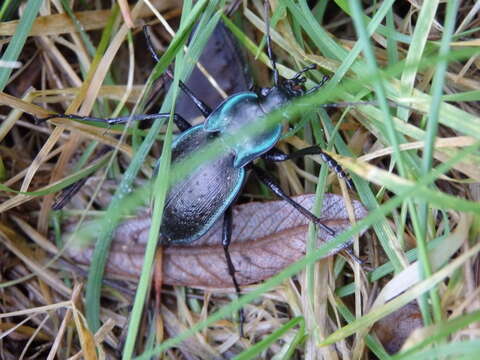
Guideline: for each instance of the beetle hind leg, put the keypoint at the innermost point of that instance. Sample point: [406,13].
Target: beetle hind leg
[226,239]
[265,178]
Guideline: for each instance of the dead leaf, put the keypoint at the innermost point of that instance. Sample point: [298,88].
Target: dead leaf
[394,329]
[266,238]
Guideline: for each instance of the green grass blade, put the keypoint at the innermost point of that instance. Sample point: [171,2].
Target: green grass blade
[456,350]
[18,39]
[440,332]
[401,300]
[429,148]
[324,249]
[371,341]
[161,185]
[62,184]
[113,216]
[425,19]
[254,351]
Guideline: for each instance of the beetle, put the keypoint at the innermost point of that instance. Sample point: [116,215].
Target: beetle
[206,195]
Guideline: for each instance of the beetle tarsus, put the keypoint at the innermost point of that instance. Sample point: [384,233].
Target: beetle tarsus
[70,191]
[67,193]
[347,252]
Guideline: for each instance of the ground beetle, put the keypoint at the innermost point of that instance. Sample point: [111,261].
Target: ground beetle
[206,195]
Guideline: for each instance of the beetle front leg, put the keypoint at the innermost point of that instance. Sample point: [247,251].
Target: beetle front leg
[181,123]
[277,190]
[278,155]
[226,239]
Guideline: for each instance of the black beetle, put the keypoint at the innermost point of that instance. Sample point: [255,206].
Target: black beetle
[206,195]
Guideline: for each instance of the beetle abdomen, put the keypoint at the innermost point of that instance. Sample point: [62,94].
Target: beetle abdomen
[197,201]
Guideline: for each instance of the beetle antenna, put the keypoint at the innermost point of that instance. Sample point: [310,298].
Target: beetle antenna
[348,253]
[269,46]
[344,104]
[319,85]
[149,44]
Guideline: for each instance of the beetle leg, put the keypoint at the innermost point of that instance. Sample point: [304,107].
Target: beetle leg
[181,123]
[226,239]
[278,155]
[265,178]
[204,108]
[67,194]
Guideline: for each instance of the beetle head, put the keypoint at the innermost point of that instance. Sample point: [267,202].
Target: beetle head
[289,88]
[278,95]
[294,87]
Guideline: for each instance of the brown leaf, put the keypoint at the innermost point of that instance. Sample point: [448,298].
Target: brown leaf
[394,329]
[266,238]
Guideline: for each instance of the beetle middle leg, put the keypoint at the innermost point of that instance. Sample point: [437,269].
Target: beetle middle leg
[71,190]
[270,182]
[226,239]
[278,155]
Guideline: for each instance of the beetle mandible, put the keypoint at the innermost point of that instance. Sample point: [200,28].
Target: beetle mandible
[197,202]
